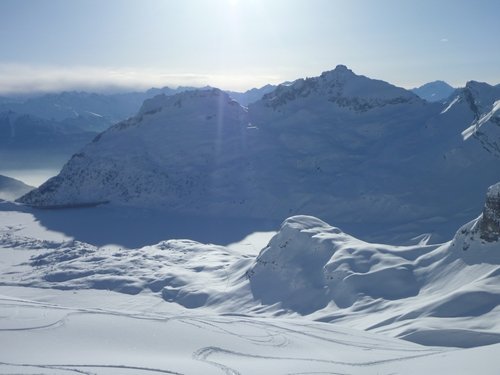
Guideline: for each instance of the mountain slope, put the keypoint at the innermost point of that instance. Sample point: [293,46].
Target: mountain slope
[87,110]
[11,189]
[370,156]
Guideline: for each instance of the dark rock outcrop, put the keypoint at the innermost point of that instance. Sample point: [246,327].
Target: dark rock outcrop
[489,225]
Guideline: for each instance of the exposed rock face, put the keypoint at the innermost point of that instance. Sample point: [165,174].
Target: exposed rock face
[489,225]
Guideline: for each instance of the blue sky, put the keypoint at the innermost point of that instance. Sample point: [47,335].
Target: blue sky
[239,44]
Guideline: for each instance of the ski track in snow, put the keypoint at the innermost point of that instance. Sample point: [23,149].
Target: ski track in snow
[74,367]
[262,333]
[203,354]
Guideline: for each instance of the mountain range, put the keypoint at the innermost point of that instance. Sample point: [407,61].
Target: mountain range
[360,152]
[41,131]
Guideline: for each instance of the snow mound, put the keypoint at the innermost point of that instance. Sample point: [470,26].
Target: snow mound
[182,271]
[414,292]
[309,263]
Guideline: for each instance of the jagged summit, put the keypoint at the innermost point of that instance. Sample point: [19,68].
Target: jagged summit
[340,72]
[342,88]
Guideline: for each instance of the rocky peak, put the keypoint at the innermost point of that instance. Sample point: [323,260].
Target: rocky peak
[340,74]
[340,87]
[480,96]
[489,226]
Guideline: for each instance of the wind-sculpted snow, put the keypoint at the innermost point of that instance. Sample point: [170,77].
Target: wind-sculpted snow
[310,264]
[181,271]
[309,267]
[362,153]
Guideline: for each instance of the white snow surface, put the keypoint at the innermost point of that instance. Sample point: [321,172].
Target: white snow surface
[419,292]
[313,300]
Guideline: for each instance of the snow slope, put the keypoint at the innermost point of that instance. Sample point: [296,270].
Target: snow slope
[362,153]
[101,332]
[314,300]
[446,295]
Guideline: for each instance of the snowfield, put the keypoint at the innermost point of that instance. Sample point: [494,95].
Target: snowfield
[313,300]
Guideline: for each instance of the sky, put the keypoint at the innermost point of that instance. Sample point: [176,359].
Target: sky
[52,45]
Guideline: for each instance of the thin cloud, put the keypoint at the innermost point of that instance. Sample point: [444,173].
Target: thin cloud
[17,79]
[444,40]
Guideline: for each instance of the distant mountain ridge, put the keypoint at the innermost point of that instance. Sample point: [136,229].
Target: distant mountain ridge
[359,152]
[252,95]
[11,189]
[45,130]
[435,91]
[95,111]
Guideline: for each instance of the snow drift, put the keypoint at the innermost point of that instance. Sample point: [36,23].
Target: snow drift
[432,294]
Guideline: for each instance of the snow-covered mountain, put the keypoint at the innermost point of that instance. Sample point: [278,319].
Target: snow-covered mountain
[479,103]
[363,153]
[87,110]
[436,91]
[11,189]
